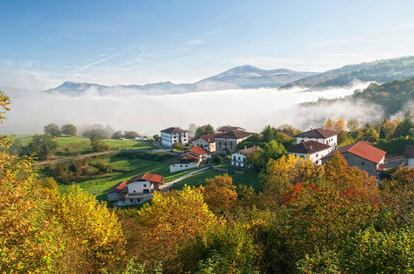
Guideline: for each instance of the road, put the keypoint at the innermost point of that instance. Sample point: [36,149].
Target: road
[169,185]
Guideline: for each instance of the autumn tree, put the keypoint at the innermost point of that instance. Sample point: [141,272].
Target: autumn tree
[41,147]
[220,193]
[329,124]
[166,224]
[29,239]
[95,238]
[203,130]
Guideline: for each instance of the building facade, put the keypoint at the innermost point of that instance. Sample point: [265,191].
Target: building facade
[172,135]
[323,136]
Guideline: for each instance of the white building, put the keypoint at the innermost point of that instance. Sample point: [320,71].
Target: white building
[311,150]
[239,158]
[172,135]
[191,159]
[136,190]
[207,142]
[323,136]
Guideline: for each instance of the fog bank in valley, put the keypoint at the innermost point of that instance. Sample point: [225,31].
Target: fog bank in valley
[147,114]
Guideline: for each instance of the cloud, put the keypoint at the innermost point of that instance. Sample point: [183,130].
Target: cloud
[252,109]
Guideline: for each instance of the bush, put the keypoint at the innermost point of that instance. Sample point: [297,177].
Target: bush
[98,145]
[217,159]
[103,167]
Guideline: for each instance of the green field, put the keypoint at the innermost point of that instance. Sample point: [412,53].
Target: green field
[249,178]
[125,168]
[80,145]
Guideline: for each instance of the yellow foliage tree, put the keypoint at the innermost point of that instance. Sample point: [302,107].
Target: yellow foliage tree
[164,226]
[28,235]
[220,193]
[329,124]
[95,237]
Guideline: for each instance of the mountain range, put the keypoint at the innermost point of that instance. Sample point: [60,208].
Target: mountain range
[251,77]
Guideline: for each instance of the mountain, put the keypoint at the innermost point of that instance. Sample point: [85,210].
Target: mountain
[378,71]
[241,77]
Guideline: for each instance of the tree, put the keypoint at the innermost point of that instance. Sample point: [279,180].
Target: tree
[329,124]
[224,249]
[96,241]
[203,130]
[220,193]
[268,134]
[29,235]
[117,135]
[339,125]
[98,145]
[131,134]
[69,130]
[52,129]
[164,226]
[41,146]
[403,128]
[353,124]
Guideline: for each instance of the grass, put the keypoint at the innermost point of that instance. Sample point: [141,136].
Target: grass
[249,178]
[73,145]
[99,185]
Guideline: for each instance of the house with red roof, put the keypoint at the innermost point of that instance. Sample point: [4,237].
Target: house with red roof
[136,190]
[190,159]
[362,155]
[207,142]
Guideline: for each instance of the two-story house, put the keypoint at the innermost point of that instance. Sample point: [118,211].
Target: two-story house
[311,150]
[190,159]
[207,142]
[172,135]
[324,136]
[239,158]
[136,190]
[226,142]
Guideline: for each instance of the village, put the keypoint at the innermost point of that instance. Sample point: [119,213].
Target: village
[199,152]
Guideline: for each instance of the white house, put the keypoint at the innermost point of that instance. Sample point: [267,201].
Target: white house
[239,158]
[172,135]
[191,159]
[311,150]
[136,190]
[207,142]
[323,136]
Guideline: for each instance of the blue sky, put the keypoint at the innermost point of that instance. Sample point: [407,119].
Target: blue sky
[121,42]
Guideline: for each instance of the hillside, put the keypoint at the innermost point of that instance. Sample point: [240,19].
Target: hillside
[392,97]
[378,71]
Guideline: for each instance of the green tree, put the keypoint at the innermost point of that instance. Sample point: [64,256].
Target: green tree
[98,145]
[52,129]
[41,146]
[203,130]
[131,134]
[69,130]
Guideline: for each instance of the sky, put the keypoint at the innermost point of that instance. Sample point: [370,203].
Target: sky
[44,43]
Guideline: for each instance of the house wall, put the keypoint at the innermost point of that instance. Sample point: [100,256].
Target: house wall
[182,166]
[224,146]
[361,163]
[238,159]
[410,162]
[168,140]
[316,158]
[331,141]
[210,147]
[139,187]
[135,200]
[113,196]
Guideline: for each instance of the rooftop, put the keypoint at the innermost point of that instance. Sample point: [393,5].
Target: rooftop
[317,133]
[363,150]
[151,177]
[308,147]
[172,130]
[234,134]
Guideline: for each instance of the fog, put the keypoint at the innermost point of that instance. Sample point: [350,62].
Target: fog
[252,109]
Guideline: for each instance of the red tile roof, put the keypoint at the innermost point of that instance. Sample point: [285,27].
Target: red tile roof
[198,151]
[121,186]
[153,178]
[363,150]
[367,151]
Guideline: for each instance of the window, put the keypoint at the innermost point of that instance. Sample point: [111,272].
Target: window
[363,163]
[145,185]
[131,200]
